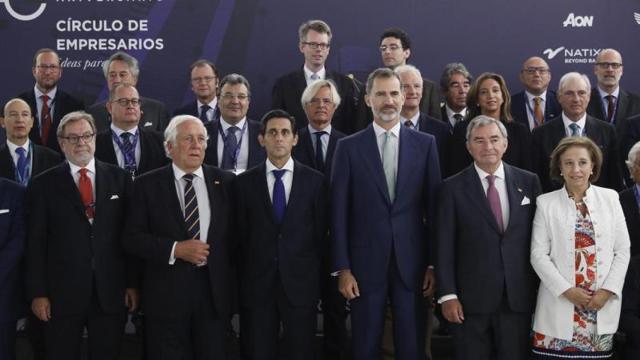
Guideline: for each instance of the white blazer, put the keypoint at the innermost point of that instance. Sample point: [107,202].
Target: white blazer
[553,258]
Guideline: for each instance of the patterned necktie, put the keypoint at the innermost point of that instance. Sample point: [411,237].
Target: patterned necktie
[86,193]
[128,153]
[537,111]
[611,107]
[191,215]
[45,119]
[575,129]
[279,200]
[319,152]
[494,201]
[409,124]
[203,113]
[21,166]
[229,153]
[389,163]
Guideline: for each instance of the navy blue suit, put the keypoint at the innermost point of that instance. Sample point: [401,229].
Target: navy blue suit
[385,244]
[305,152]
[519,108]
[12,240]
[192,109]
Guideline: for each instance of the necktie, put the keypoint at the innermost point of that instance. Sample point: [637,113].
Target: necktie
[611,107]
[279,200]
[21,166]
[457,117]
[128,153]
[494,201]
[389,163]
[230,149]
[575,129]
[191,215]
[86,193]
[203,113]
[319,152]
[315,77]
[537,111]
[409,124]
[45,119]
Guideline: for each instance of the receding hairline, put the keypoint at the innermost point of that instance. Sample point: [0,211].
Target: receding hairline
[13,101]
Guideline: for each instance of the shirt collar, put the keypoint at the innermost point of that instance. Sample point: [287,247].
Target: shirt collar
[225,125]
[313,131]
[615,93]
[51,94]
[379,130]
[287,166]
[91,166]
[307,73]
[499,173]
[450,112]
[179,173]
[119,131]
[581,122]
[414,120]
[212,104]
[530,96]
[12,147]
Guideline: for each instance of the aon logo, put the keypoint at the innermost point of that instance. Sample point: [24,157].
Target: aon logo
[578,21]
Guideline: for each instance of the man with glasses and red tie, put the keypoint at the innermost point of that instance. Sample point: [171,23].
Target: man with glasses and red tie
[126,143]
[48,102]
[77,272]
[315,44]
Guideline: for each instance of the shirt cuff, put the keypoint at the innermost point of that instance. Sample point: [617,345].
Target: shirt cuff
[172,256]
[447,298]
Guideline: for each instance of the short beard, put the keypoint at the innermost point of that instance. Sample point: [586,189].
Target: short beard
[387,117]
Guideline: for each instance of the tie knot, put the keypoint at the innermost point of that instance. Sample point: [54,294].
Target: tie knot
[458,117]
[44,98]
[188,177]
[408,124]
[205,108]
[574,129]
[278,173]
[125,136]
[315,76]
[491,179]
[83,171]
[319,134]
[610,98]
[232,130]
[537,100]
[20,151]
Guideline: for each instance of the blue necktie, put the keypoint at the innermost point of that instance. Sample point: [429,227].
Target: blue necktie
[191,215]
[203,113]
[229,152]
[575,129]
[22,165]
[279,198]
[319,153]
[128,153]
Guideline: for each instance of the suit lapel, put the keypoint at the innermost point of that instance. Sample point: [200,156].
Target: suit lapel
[621,109]
[297,185]
[478,197]
[514,193]
[213,139]
[109,152]
[307,147]
[167,186]
[333,141]
[144,150]
[301,82]
[69,188]
[371,159]
[590,131]
[101,185]
[260,183]
[548,109]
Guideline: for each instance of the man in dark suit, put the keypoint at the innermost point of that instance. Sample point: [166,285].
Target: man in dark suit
[411,116]
[630,314]
[484,222]
[12,238]
[233,140]
[384,182]
[455,83]
[630,199]
[125,143]
[204,84]
[123,68]
[315,42]
[20,158]
[573,96]
[282,228]
[536,104]
[48,103]
[180,225]
[316,145]
[77,273]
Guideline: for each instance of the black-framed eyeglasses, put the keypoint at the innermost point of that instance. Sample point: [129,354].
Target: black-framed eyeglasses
[316,46]
[48,67]
[75,139]
[532,70]
[230,96]
[205,79]
[124,102]
[607,65]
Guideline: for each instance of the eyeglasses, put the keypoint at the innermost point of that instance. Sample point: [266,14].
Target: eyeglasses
[75,139]
[205,79]
[124,102]
[230,96]
[48,67]
[607,65]
[323,101]
[533,70]
[316,46]
[392,47]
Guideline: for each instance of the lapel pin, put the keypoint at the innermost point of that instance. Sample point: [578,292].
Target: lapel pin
[216,182]
[519,190]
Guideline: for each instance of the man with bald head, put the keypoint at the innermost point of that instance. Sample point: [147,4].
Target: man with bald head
[573,96]
[20,158]
[48,103]
[536,104]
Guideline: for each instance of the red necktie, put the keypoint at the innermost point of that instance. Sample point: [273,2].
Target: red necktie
[611,107]
[45,119]
[86,193]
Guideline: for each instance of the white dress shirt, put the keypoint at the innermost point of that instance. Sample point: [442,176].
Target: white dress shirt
[581,123]
[395,131]
[308,73]
[202,196]
[243,157]
[212,107]
[116,148]
[287,177]
[52,95]
[450,114]
[324,139]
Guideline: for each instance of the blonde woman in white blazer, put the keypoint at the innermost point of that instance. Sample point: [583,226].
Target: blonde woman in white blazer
[580,251]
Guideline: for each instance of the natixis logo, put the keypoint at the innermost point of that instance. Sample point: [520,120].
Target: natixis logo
[572,55]
[23,17]
[551,53]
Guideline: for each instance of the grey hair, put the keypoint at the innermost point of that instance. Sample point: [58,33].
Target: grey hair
[384,73]
[573,76]
[452,69]
[483,120]
[314,87]
[235,79]
[124,57]
[632,158]
[73,117]
[408,69]
[171,132]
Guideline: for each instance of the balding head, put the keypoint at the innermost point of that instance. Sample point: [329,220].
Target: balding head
[17,121]
[535,75]
[608,69]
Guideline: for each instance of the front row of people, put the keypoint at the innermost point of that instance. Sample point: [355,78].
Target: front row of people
[183,232]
